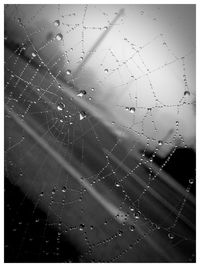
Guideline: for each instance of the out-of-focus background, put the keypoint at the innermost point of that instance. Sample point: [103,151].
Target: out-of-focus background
[100,116]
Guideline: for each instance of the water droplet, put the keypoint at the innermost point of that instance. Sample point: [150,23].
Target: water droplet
[19,20]
[120,233]
[132,110]
[41,194]
[81,227]
[60,106]
[64,189]
[186,93]
[81,58]
[191,181]
[127,108]
[92,89]
[82,93]
[132,228]
[33,54]
[117,184]
[57,22]
[59,36]
[137,214]
[106,70]
[68,72]
[171,236]
[91,227]
[37,220]
[131,209]
[160,142]
[82,115]
[53,191]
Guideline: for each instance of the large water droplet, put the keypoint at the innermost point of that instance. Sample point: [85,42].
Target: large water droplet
[33,54]
[120,233]
[82,93]
[171,236]
[60,106]
[82,115]
[117,184]
[137,214]
[68,72]
[53,191]
[191,181]
[57,22]
[59,36]
[160,142]
[81,227]
[186,93]
[132,110]
[64,189]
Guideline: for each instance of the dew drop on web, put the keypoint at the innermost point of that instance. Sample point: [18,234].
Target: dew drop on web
[60,106]
[132,110]
[59,37]
[186,93]
[81,227]
[191,181]
[57,22]
[160,142]
[117,184]
[120,233]
[82,115]
[170,236]
[137,215]
[64,189]
[81,93]
[68,72]
[33,54]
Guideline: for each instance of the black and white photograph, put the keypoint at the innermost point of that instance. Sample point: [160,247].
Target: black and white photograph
[99,132]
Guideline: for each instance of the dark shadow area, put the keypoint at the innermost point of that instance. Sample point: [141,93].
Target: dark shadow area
[181,166]
[24,240]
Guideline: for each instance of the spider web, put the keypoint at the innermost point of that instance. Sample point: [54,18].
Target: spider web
[84,102]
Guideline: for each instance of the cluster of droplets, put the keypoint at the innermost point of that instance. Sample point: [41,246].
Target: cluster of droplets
[82,115]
